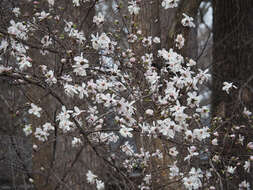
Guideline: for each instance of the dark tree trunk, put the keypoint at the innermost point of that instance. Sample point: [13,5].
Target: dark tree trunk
[232,62]
[232,53]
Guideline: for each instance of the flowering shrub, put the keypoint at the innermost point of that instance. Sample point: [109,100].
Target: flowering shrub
[88,77]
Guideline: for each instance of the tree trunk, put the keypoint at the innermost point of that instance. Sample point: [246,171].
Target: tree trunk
[153,20]
[232,52]
[232,62]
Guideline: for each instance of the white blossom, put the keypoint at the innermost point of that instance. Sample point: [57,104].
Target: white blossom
[18,29]
[244,185]
[247,166]
[91,178]
[99,19]
[50,77]
[149,112]
[156,40]
[24,62]
[41,135]
[231,169]
[76,142]
[76,3]
[180,41]
[42,15]
[48,127]
[228,86]
[16,11]
[215,142]
[173,151]
[166,4]
[100,185]
[35,110]
[51,2]
[81,65]
[4,44]
[125,131]
[187,21]
[133,8]
[27,129]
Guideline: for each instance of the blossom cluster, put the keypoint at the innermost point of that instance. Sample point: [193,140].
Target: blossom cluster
[95,80]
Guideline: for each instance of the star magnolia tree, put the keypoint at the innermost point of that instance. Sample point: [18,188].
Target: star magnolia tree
[89,78]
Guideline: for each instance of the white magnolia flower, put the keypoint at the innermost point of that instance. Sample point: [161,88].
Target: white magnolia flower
[64,114]
[156,40]
[76,141]
[244,185]
[227,86]
[149,112]
[4,69]
[193,181]
[133,8]
[48,127]
[41,135]
[27,129]
[76,3]
[174,170]
[24,62]
[70,90]
[100,185]
[50,2]
[147,41]
[127,149]
[66,78]
[16,11]
[204,111]
[215,142]
[164,54]
[50,77]
[77,111]
[203,76]
[99,19]
[173,151]
[102,42]
[250,145]
[18,29]
[42,15]
[132,38]
[201,134]
[180,41]
[72,32]
[193,99]
[125,132]
[187,21]
[81,65]
[215,158]
[231,169]
[4,44]
[82,91]
[91,178]
[192,152]
[247,166]
[46,41]
[191,63]
[166,4]
[147,179]
[35,147]
[35,110]
[247,112]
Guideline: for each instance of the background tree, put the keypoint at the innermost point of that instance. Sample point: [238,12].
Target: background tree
[232,63]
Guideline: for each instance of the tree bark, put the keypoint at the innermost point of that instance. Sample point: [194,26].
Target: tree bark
[232,62]
[232,54]
[153,20]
